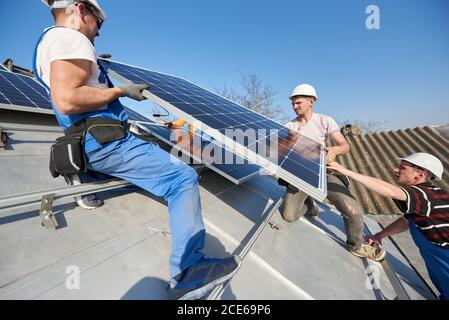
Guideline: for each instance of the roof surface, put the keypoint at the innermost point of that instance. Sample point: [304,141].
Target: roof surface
[122,248]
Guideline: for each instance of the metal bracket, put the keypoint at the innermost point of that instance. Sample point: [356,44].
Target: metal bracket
[273,225]
[46,212]
[3,138]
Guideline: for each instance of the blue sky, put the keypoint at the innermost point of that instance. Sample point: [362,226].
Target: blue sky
[398,74]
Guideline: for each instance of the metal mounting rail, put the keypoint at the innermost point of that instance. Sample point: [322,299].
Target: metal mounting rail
[33,199]
[217,292]
[401,293]
[14,127]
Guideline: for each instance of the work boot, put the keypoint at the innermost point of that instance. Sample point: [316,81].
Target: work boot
[88,202]
[311,207]
[374,253]
[198,280]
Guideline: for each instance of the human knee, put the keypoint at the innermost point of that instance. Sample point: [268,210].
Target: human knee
[188,175]
[348,208]
[290,217]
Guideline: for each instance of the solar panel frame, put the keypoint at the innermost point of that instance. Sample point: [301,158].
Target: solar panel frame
[31,105]
[319,193]
[8,90]
[237,179]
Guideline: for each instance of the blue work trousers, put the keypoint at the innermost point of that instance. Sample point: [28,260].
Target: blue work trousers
[147,166]
[436,259]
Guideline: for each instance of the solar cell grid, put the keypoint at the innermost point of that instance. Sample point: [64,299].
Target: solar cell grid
[201,150]
[19,90]
[194,100]
[298,157]
[22,91]
[135,116]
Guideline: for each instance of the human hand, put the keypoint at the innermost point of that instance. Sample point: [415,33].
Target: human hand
[374,240]
[134,91]
[331,154]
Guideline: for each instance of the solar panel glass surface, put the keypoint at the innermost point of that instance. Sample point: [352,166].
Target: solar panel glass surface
[201,148]
[287,154]
[22,91]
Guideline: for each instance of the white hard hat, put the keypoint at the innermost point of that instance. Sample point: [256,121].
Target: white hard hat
[304,90]
[60,4]
[428,162]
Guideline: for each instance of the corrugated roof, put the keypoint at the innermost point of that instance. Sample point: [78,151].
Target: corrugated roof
[375,154]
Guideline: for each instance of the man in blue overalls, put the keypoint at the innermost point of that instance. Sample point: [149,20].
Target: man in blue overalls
[66,63]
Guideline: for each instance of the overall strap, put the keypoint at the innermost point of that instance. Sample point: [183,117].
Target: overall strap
[36,74]
[105,73]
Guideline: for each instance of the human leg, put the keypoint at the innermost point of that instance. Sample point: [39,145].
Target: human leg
[147,166]
[293,207]
[352,212]
[153,169]
[436,260]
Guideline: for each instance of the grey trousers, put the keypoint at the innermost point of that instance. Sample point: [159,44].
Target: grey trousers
[296,205]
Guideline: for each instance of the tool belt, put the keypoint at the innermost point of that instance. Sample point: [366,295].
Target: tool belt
[67,155]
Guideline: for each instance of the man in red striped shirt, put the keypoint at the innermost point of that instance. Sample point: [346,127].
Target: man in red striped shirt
[425,207]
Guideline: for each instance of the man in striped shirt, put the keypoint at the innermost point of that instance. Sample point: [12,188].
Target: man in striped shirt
[425,207]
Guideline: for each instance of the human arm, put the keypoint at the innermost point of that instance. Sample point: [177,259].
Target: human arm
[69,91]
[400,225]
[71,95]
[381,187]
[342,146]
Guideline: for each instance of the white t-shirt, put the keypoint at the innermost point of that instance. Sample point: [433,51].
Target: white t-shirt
[319,128]
[67,44]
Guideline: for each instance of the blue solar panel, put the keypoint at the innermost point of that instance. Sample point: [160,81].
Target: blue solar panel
[295,158]
[199,149]
[22,91]
[135,116]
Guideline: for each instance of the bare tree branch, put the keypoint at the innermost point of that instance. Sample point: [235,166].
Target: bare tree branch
[257,96]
